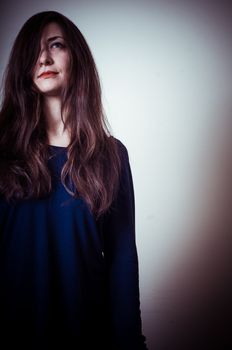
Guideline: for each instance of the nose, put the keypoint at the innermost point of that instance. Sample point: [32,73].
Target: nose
[45,58]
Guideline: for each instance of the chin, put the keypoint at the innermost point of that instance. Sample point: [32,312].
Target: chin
[49,92]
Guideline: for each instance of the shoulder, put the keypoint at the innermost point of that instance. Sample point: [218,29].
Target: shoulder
[122,149]
[125,171]
[120,145]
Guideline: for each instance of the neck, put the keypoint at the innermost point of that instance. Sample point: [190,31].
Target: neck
[57,134]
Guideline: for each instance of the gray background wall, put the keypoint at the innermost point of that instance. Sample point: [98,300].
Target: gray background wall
[165,68]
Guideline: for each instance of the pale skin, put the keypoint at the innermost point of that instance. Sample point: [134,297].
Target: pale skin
[54,56]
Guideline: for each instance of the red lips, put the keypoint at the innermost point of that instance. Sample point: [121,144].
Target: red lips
[47,74]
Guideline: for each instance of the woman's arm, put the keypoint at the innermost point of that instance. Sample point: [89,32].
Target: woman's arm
[122,264]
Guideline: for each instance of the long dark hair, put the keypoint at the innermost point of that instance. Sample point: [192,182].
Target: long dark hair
[93,162]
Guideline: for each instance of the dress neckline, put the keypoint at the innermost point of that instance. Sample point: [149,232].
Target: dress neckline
[61,147]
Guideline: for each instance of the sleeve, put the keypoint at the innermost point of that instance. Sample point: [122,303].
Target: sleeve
[122,264]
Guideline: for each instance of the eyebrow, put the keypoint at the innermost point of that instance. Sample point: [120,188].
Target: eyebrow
[54,38]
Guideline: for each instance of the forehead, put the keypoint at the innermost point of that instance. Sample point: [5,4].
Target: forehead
[51,30]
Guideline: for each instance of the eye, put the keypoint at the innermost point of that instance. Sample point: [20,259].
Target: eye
[57,43]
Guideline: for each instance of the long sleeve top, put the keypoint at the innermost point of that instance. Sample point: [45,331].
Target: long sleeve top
[68,281]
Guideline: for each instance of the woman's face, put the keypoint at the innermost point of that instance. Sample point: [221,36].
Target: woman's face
[54,57]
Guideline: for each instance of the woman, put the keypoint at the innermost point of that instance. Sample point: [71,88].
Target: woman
[68,258]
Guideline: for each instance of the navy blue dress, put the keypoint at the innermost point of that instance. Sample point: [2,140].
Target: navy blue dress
[68,281]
